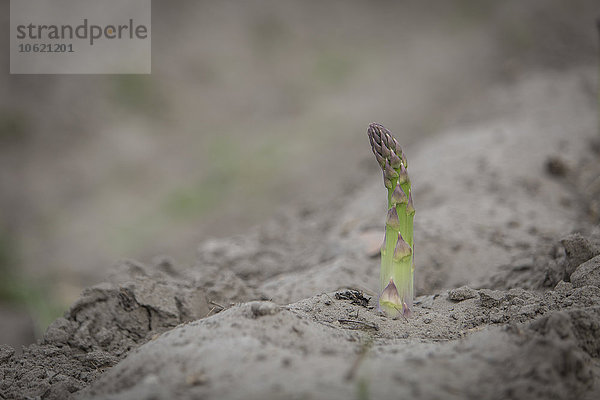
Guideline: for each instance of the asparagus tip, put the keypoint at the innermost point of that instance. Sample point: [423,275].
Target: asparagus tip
[396,255]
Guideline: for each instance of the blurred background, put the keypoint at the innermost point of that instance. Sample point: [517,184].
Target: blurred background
[252,107]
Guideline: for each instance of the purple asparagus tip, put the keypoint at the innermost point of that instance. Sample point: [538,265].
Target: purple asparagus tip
[388,153]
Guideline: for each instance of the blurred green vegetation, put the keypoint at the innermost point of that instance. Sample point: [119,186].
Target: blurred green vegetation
[15,289]
[362,389]
[200,197]
[230,167]
[333,67]
[13,126]
[269,34]
[233,170]
[136,93]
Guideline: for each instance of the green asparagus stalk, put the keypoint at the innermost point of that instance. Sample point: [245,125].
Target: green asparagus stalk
[397,259]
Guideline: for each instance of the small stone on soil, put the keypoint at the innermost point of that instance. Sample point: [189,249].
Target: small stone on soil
[556,166]
[262,308]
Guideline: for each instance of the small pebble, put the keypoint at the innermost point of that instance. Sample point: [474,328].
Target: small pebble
[262,308]
[556,166]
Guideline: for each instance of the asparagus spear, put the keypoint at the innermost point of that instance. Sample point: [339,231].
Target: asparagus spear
[397,260]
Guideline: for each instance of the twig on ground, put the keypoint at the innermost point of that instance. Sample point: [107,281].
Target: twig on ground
[353,321]
[214,303]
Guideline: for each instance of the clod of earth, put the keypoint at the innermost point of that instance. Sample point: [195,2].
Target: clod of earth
[355,297]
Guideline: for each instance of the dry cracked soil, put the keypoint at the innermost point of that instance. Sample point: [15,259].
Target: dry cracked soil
[507,278]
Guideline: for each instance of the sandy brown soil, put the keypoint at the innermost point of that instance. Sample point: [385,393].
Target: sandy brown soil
[508,278]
